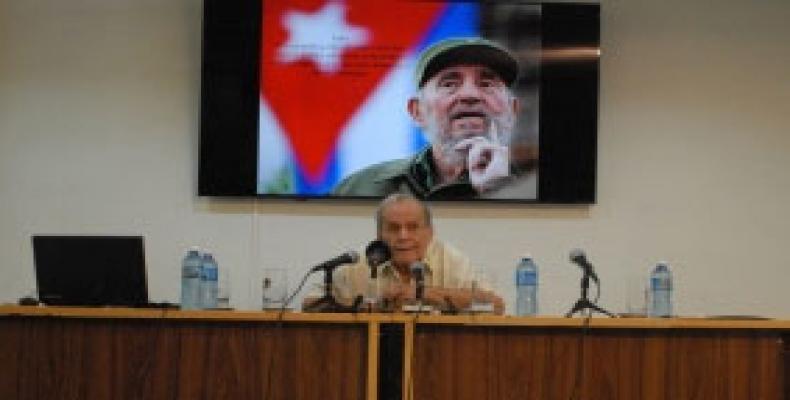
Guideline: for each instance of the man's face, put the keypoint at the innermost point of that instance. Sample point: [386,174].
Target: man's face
[405,230]
[464,101]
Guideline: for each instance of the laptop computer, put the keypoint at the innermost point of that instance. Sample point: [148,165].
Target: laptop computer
[90,270]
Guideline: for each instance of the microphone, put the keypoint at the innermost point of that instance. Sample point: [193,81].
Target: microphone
[418,272]
[377,253]
[577,257]
[348,257]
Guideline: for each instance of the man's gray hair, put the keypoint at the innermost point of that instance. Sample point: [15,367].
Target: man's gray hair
[399,198]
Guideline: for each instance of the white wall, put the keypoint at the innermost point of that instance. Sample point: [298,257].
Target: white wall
[98,134]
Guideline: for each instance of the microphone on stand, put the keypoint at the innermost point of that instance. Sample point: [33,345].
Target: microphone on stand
[584,304]
[418,272]
[578,257]
[328,301]
[348,257]
[377,253]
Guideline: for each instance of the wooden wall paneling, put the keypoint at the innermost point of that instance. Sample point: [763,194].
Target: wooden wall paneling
[58,356]
[11,343]
[273,361]
[490,363]
[134,357]
[90,358]
[478,362]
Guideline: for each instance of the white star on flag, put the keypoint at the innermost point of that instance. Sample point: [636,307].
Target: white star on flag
[321,37]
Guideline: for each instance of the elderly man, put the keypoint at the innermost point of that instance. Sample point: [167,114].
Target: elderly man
[405,225]
[466,108]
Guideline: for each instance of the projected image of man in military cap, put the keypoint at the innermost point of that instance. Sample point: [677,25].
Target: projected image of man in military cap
[465,106]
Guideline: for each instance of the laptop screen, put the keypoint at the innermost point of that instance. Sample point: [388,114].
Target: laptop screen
[90,270]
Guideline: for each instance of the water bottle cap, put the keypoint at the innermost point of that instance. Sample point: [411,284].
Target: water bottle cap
[662,266]
[526,256]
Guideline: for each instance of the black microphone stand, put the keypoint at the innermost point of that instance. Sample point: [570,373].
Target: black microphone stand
[370,301]
[327,302]
[419,291]
[584,302]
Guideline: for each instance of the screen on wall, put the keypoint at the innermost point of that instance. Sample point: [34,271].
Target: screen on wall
[449,100]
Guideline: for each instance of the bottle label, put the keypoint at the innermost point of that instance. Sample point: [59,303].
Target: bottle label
[190,272]
[209,274]
[660,284]
[526,278]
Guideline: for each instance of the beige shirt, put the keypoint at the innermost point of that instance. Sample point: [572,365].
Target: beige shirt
[447,268]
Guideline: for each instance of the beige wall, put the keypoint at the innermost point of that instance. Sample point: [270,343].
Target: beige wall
[98,134]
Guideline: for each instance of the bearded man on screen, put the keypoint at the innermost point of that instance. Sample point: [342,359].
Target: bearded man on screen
[466,107]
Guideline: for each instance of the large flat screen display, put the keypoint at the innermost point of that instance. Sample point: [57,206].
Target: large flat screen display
[448,100]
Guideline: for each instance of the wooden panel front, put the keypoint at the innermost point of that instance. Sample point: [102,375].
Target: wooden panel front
[480,362]
[72,358]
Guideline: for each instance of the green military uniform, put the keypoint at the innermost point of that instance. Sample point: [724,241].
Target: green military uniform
[416,175]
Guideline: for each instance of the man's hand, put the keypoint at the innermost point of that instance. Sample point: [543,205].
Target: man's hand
[398,294]
[488,162]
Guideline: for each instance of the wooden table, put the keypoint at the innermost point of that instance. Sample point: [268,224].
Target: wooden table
[104,353]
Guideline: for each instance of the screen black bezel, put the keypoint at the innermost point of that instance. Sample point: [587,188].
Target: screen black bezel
[229,104]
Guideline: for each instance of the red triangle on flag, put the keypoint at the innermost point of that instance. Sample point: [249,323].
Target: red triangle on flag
[312,92]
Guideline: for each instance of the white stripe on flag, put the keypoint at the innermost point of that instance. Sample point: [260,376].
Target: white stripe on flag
[274,152]
[381,129]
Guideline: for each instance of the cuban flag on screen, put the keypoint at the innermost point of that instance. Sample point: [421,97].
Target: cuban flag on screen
[335,80]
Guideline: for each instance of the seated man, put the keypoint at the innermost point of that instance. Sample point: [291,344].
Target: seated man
[404,224]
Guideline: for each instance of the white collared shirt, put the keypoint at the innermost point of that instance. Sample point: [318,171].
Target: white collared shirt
[446,266]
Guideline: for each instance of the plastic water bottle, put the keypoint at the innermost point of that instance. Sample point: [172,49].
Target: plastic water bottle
[209,275]
[526,287]
[661,291]
[190,280]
